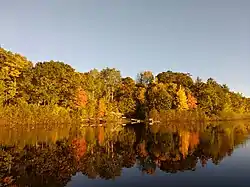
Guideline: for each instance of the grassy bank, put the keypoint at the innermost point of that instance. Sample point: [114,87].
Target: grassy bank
[194,115]
[34,114]
[230,116]
[177,115]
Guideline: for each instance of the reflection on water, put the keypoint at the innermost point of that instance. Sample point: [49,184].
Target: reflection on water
[52,157]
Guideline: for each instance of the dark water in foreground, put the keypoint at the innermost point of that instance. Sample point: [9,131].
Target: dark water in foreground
[162,155]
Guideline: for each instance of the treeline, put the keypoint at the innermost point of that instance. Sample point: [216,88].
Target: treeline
[57,86]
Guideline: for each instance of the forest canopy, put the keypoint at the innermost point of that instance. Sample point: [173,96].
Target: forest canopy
[99,93]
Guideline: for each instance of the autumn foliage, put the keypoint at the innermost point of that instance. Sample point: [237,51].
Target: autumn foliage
[81,98]
[192,101]
[100,93]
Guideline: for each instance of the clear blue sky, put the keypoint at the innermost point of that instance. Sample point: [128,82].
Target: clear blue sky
[207,38]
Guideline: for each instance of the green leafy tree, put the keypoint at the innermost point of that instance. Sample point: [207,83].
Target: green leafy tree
[11,67]
[145,78]
[238,103]
[125,96]
[158,97]
[53,83]
[112,79]
[183,79]
[140,96]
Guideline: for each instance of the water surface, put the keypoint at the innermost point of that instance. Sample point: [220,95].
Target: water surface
[141,155]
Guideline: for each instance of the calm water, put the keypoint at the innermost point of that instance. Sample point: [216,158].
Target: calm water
[161,155]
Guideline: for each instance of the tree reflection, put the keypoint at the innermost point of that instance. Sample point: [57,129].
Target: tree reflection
[104,152]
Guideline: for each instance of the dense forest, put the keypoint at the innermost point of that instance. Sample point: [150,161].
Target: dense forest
[55,89]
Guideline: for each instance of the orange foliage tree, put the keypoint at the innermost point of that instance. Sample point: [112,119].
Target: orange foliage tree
[81,98]
[192,101]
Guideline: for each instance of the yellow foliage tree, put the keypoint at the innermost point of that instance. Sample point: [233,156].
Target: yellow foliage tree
[11,66]
[182,99]
[101,108]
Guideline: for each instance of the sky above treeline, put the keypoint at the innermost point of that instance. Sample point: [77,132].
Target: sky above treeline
[201,37]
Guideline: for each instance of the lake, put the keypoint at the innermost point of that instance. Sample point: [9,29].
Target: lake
[175,154]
